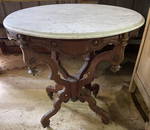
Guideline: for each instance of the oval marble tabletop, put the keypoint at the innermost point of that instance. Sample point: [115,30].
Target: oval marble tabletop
[73,21]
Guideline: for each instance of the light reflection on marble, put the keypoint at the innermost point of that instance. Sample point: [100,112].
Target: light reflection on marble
[74,21]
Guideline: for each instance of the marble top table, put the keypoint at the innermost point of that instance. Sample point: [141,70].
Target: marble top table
[73,21]
[77,30]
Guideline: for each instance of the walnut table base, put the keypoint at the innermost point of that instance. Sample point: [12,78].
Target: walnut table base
[74,87]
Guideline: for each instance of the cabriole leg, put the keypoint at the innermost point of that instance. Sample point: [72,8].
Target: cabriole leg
[56,107]
[86,96]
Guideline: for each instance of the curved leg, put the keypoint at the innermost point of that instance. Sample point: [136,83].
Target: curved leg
[56,107]
[92,104]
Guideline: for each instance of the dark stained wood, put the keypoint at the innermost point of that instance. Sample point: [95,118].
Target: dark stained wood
[58,2]
[103,1]
[112,2]
[109,2]
[49,2]
[2,13]
[11,7]
[78,86]
[2,32]
[29,4]
[122,3]
[125,3]
[142,6]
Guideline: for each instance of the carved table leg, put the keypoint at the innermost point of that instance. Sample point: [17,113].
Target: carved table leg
[56,107]
[86,96]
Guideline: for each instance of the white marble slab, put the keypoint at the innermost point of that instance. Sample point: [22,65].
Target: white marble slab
[73,21]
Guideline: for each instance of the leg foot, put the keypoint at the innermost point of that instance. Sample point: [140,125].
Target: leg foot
[56,107]
[45,122]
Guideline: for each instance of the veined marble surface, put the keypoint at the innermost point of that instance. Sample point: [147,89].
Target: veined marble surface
[73,21]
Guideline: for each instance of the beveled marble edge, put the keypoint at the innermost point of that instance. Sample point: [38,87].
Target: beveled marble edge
[76,35]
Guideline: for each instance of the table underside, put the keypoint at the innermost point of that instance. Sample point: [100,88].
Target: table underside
[78,86]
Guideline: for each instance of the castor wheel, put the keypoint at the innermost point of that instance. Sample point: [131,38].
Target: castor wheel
[95,89]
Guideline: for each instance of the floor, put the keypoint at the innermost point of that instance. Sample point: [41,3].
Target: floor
[24,100]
